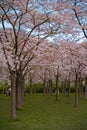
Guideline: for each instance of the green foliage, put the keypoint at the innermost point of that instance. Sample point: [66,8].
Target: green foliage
[2,88]
[72,89]
[36,88]
[44,114]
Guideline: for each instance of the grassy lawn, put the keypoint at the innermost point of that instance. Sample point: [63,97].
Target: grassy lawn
[44,114]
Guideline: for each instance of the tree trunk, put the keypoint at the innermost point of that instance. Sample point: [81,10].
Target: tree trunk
[13,95]
[50,87]
[76,91]
[85,81]
[44,86]
[18,94]
[62,86]
[47,87]
[19,91]
[57,89]
[22,84]
[80,88]
[68,95]
[30,89]
[85,88]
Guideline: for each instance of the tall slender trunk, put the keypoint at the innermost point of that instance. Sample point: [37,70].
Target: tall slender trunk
[19,91]
[85,88]
[68,95]
[47,87]
[22,83]
[50,87]
[57,89]
[13,95]
[76,91]
[18,95]
[62,87]
[44,86]
[30,89]
[85,81]
[80,88]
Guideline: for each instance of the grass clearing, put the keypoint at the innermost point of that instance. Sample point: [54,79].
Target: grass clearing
[44,113]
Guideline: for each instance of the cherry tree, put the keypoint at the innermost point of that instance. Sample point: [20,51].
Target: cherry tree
[21,22]
[44,63]
[76,65]
[25,24]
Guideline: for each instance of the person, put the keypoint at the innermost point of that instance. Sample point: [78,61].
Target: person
[7,92]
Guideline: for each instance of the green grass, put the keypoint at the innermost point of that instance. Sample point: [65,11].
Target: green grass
[44,114]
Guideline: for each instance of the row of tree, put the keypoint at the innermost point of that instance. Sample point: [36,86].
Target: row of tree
[26,29]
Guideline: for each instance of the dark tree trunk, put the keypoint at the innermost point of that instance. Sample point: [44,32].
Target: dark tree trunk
[76,91]
[44,86]
[68,95]
[80,88]
[22,84]
[30,89]
[13,95]
[50,87]
[19,91]
[62,86]
[57,89]
[47,87]
[85,81]
[18,94]
[85,88]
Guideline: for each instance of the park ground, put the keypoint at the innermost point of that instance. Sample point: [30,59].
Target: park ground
[44,113]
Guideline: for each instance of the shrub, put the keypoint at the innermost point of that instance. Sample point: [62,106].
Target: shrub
[72,89]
